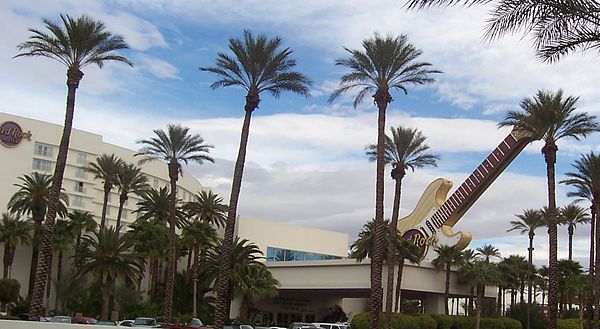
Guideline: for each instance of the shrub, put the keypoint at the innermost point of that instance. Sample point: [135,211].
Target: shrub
[536,320]
[426,322]
[9,291]
[360,321]
[568,324]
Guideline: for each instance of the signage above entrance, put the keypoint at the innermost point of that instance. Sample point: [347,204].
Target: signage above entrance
[11,134]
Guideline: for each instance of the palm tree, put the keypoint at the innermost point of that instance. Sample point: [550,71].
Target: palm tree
[567,269]
[405,149]
[175,146]
[63,238]
[571,215]
[258,64]
[448,256]
[386,63]
[244,254]
[110,257]
[129,180]
[586,180]
[13,232]
[487,251]
[207,207]
[480,274]
[558,27]
[81,42]
[80,222]
[528,222]
[32,199]
[363,246]
[547,114]
[405,250]
[469,256]
[257,283]
[106,169]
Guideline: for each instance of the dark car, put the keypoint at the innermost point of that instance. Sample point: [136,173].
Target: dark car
[106,323]
[83,320]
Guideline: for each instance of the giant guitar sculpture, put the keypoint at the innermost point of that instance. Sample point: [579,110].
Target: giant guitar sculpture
[430,223]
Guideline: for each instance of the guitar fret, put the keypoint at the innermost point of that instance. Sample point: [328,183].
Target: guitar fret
[510,140]
[491,159]
[498,153]
[504,147]
[487,165]
[482,169]
[454,203]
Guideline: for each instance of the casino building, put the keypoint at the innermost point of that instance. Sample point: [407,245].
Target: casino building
[311,265]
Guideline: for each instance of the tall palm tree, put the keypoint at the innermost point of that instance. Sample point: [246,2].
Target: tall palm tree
[405,250]
[571,215]
[387,63]
[550,115]
[558,27]
[448,256]
[109,256]
[480,274]
[130,179]
[469,256]
[80,222]
[106,169]
[207,207]
[528,222]
[487,252]
[13,232]
[32,199]
[174,147]
[77,43]
[258,64]
[586,179]
[405,149]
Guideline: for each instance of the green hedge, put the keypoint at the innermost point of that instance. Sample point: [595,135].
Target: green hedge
[568,323]
[426,321]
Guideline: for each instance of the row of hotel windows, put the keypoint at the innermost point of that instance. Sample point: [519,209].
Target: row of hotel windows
[48,151]
[285,255]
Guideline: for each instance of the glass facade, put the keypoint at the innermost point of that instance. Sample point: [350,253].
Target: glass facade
[41,165]
[285,255]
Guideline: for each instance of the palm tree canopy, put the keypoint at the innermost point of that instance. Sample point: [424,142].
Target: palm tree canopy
[405,149]
[549,116]
[13,231]
[573,214]
[201,233]
[243,254]
[110,255]
[79,42]
[81,221]
[406,249]
[447,256]
[208,207]
[259,64]
[176,145]
[386,63]
[33,194]
[488,251]
[131,179]
[154,206]
[258,282]
[106,168]
[363,246]
[63,235]
[586,177]
[528,221]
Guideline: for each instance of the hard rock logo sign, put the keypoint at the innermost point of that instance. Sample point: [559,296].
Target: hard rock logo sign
[11,134]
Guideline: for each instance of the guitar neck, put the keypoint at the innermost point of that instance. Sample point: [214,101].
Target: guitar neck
[484,175]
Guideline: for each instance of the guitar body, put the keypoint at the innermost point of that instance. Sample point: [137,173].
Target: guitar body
[419,228]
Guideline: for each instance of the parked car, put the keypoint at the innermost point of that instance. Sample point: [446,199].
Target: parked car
[194,323]
[107,323]
[302,325]
[126,323]
[331,325]
[83,320]
[145,322]
[61,319]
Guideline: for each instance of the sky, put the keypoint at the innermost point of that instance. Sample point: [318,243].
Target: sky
[305,163]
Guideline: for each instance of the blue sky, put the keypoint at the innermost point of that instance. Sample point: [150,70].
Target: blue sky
[305,157]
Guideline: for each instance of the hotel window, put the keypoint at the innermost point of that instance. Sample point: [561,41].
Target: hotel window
[81,158]
[284,255]
[79,187]
[80,173]
[41,165]
[77,201]
[43,150]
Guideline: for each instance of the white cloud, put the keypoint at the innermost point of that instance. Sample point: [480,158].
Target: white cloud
[158,67]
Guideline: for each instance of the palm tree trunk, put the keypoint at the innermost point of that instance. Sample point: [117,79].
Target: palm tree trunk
[5,260]
[550,157]
[13,250]
[107,189]
[447,289]
[152,277]
[529,283]
[399,285]
[391,263]
[382,99]
[122,199]
[58,278]
[499,303]
[596,320]
[591,260]
[38,219]
[252,100]
[49,285]
[570,231]
[77,261]
[106,299]
[478,305]
[171,257]
[74,75]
